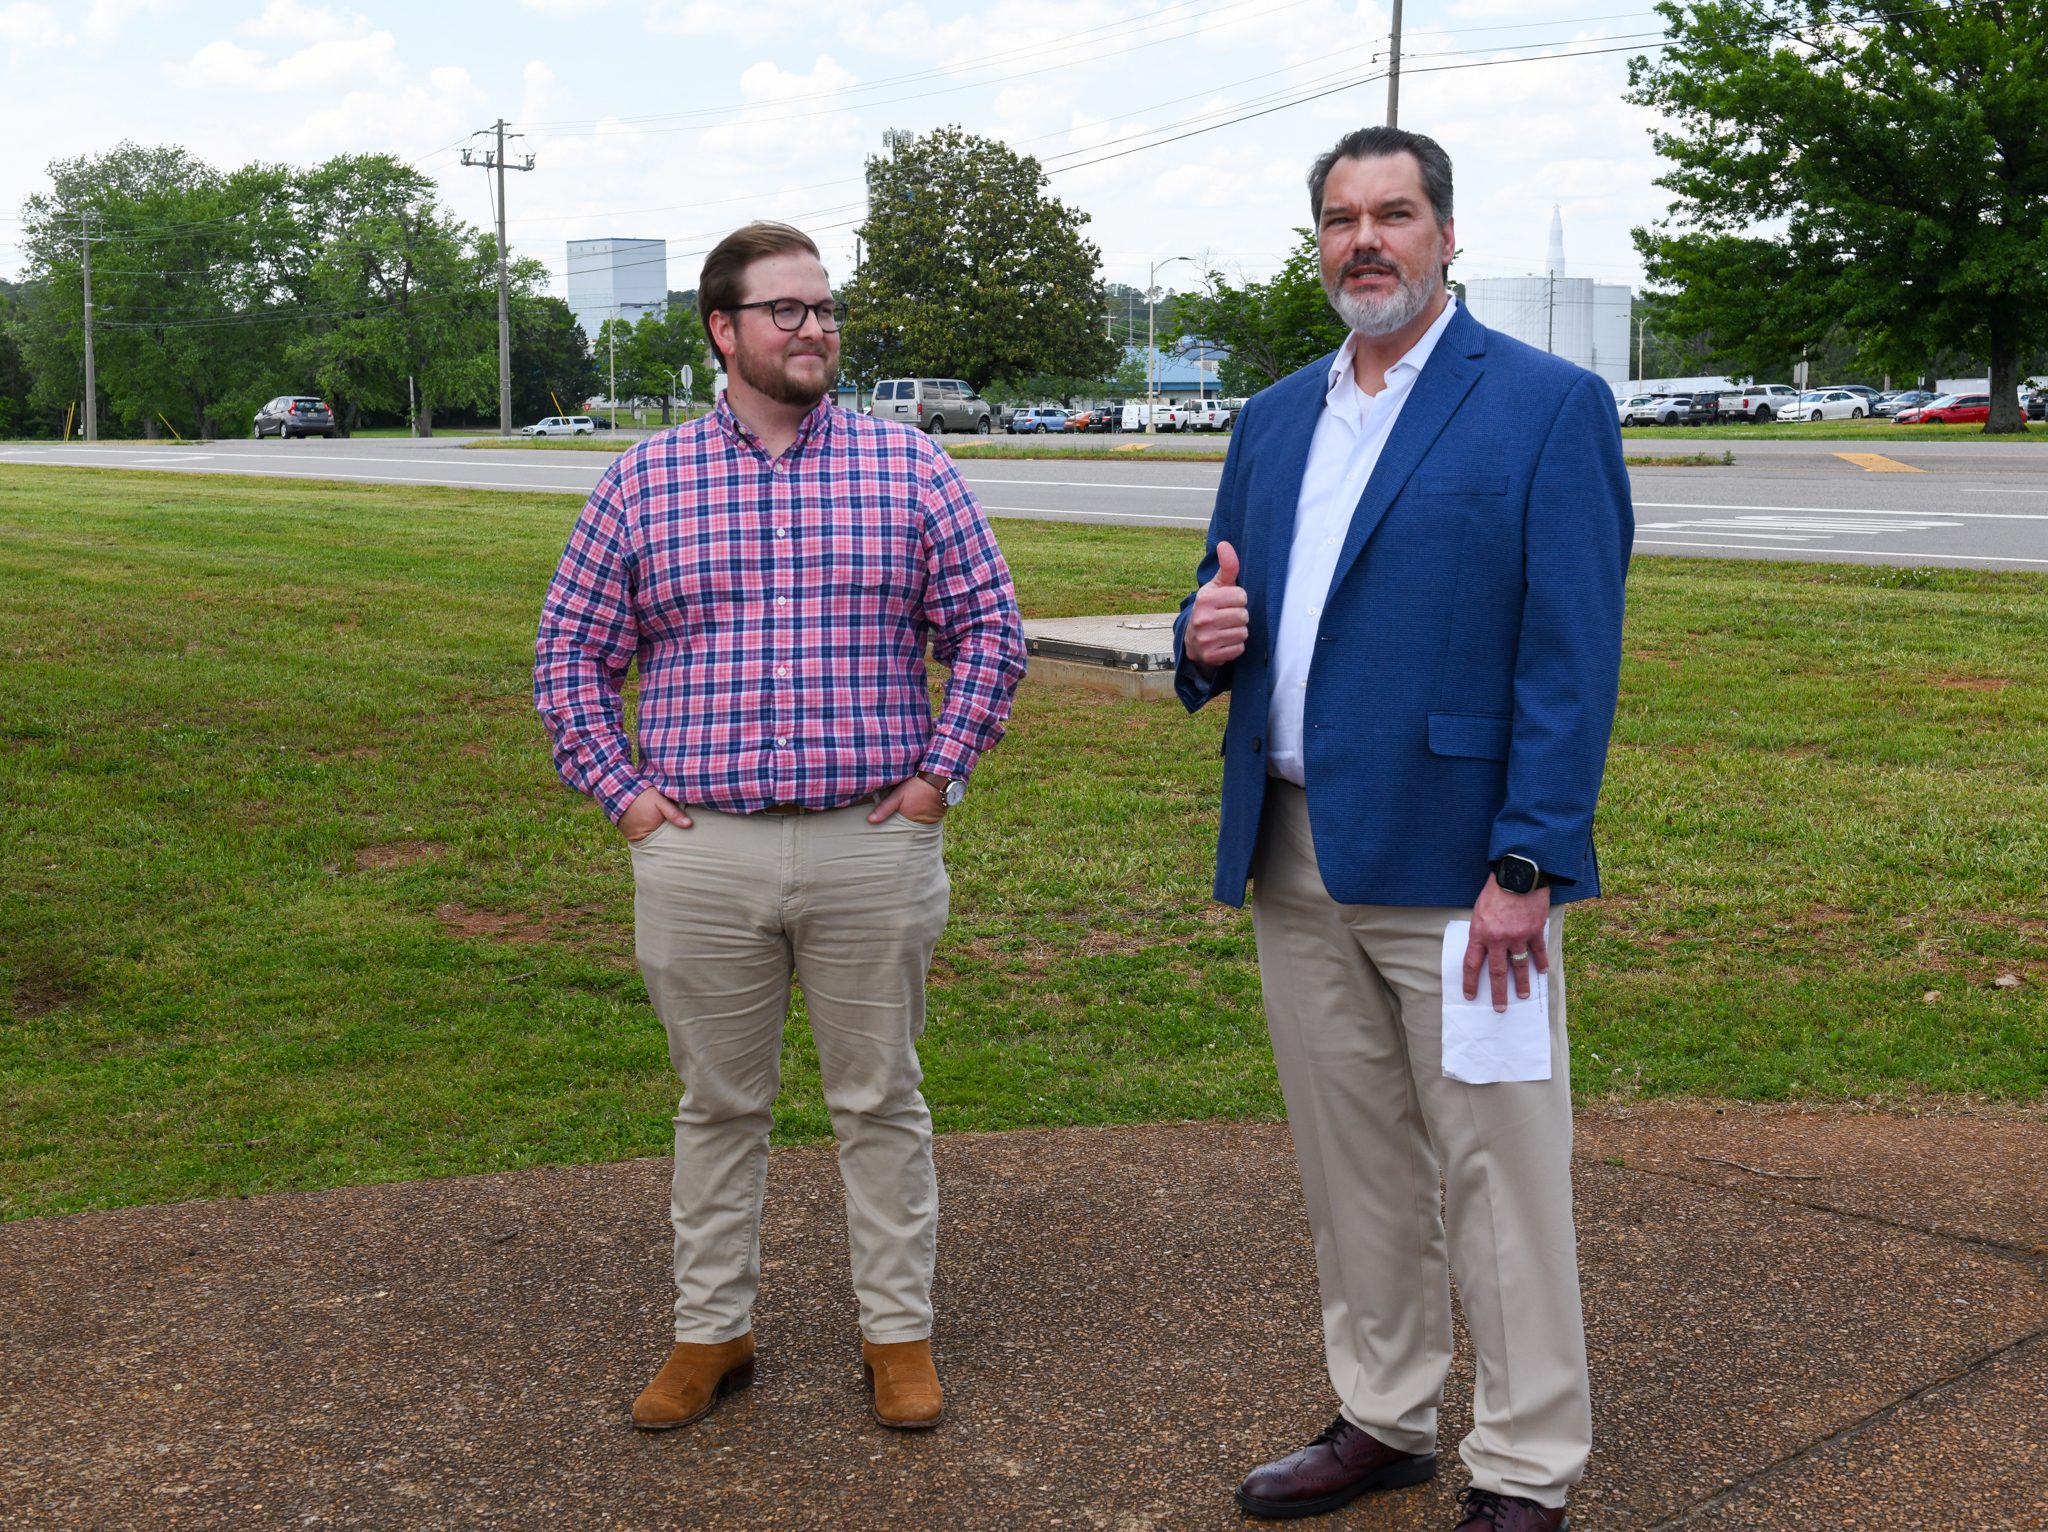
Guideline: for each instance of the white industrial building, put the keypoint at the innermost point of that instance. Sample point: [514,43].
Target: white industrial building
[1581,320]
[617,278]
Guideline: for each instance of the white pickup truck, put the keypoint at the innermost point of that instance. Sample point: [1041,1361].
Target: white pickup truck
[1168,418]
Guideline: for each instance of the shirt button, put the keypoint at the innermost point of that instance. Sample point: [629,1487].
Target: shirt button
[782,739]
[782,670]
[782,601]
[1315,611]
[1330,540]
[782,531]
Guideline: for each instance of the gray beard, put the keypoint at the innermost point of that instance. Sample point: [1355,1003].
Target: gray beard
[1383,316]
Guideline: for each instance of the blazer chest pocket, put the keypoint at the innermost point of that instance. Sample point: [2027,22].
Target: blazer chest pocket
[1483,735]
[1463,484]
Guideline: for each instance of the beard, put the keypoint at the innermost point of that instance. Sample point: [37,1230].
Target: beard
[1382,315]
[770,375]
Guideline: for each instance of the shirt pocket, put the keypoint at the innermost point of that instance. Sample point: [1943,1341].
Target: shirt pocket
[1483,736]
[1462,484]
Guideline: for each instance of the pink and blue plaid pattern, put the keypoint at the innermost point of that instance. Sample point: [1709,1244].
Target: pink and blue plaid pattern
[779,610]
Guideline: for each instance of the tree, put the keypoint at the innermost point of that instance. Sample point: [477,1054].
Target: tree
[1268,329]
[652,351]
[971,271]
[551,359]
[1899,147]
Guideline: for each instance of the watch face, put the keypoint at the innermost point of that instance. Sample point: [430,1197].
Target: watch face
[955,791]
[1517,874]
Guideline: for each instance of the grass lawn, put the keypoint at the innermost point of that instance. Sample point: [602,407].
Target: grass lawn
[290,896]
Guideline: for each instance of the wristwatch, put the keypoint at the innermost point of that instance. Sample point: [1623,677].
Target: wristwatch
[952,787]
[1519,875]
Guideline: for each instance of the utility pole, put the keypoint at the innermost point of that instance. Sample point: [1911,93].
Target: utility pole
[1394,73]
[92,397]
[1641,375]
[495,160]
[1151,341]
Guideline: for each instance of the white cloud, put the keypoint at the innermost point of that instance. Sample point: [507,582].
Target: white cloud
[566,8]
[107,19]
[338,62]
[295,21]
[25,26]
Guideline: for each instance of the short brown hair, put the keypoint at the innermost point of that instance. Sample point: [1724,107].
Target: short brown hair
[723,282]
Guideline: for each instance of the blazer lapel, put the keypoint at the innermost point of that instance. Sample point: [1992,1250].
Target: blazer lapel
[1281,492]
[1446,378]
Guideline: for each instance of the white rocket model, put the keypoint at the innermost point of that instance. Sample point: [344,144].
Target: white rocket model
[1553,263]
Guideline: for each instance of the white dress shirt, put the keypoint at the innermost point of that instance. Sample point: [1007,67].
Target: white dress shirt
[1349,437]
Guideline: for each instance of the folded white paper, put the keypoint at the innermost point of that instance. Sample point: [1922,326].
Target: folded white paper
[1483,1046]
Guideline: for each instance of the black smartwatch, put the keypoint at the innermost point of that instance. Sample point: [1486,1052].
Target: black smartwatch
[1519,875]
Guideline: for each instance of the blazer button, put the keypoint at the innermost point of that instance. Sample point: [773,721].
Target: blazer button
[1258,744]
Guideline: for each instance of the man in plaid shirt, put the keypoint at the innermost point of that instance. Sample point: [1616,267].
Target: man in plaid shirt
[777,569]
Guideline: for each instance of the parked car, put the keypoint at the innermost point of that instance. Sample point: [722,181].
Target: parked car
[1702,409]
[1910,416]
[560,425]
[1658,410]
[1107,416]
[2037,404]
[1831,404]
[1889,405]
[1166,417]
[1038,420]
[932,404]
[1627,405]
[291,415]
[1209,415]
[1956,410]
[1762,403]
[1869,394]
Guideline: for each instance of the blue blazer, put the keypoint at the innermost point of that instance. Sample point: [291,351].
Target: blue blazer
[1464,680]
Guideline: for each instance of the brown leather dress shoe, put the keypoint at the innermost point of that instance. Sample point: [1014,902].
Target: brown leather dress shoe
[692,1380]
[906,1384]
[1484,1511]
[1331,1471]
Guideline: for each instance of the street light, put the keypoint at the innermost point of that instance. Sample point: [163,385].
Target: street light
[1151,341]
[611,340]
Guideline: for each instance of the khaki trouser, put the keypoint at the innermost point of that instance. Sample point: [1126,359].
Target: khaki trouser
[723,912]
[1354,997]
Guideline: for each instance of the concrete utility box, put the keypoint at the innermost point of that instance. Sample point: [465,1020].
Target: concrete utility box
[1130,655]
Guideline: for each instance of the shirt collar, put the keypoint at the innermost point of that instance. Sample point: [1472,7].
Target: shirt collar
[1343,387]
[815,425]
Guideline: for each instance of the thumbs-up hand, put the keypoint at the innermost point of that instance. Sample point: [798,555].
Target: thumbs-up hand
[1221,621]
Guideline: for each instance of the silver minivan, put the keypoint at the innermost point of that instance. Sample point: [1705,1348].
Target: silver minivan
[931,404]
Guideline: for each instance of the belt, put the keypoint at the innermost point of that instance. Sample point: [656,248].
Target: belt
[805,808]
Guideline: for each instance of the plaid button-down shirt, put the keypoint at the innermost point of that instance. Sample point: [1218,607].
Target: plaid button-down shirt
[779,609]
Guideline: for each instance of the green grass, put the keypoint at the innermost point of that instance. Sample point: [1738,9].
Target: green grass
[1679,460]
[1155,453]
[290,896]
[1824,431]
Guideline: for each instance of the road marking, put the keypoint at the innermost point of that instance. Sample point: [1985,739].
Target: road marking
[1807,527]
[1831,510]
[1070,515]
[1184,489]
[1856,553]
[1877,462]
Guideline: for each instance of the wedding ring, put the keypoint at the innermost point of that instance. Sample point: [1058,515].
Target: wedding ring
[1519,957]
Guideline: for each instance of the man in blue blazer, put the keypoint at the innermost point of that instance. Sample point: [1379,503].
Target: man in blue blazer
[1413,594]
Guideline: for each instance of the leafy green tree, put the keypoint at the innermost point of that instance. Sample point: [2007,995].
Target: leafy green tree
[413,306]
[1847,169]
[1267,329]
[550,359]
[189,321]
[971,270]
[655,348]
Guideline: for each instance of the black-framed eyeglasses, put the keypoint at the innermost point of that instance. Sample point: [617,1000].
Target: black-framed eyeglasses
[788,313]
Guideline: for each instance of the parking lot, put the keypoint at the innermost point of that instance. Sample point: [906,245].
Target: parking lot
[1928,502]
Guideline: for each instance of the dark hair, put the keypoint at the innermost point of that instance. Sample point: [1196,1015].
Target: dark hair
[723,282]
[1377,143]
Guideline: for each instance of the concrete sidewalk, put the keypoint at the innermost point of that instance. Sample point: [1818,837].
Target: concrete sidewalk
[1796,1320]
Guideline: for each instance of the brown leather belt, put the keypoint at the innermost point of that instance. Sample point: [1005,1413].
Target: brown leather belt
[805,808]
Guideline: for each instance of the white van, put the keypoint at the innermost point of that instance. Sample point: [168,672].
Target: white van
[1171,417]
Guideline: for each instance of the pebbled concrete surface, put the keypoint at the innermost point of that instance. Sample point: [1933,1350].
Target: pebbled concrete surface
[1127,1323]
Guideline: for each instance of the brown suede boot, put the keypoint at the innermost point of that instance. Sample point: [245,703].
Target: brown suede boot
[691,1381]
[906,1384]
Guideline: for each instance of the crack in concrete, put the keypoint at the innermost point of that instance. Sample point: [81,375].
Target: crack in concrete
[2032,1253]
[1843,1436]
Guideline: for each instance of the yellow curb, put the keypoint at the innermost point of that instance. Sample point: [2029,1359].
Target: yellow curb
[1877,462]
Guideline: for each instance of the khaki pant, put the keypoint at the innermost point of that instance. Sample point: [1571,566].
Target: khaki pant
[724,912]
[1354,997]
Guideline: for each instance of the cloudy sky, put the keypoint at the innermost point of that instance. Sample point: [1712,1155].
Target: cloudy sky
[678,119]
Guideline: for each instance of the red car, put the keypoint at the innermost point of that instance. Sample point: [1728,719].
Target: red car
[1950,410]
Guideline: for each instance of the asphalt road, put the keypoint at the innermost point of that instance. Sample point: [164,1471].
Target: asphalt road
[1935,502]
